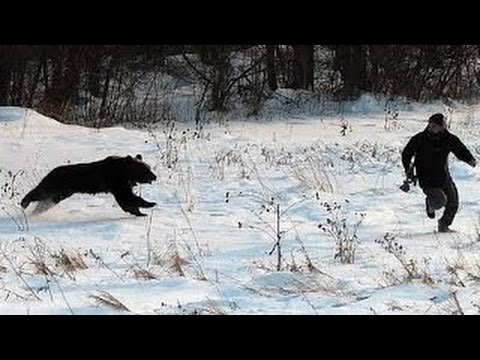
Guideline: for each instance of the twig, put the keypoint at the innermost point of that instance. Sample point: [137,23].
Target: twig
[63,294]
[99,259]
[457,304]
[279,237]
[21,277]
[191,229]
[309,302]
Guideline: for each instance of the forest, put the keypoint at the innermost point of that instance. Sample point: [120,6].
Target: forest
[102,85]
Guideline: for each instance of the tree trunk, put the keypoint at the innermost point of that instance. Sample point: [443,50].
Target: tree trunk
[5,78]
[54,93]
[304,66]
[5,74]
[94,56]
[18,87]
[34,84]
[352,63]
[106,88]
[71,80]
[217,57]
[271,69]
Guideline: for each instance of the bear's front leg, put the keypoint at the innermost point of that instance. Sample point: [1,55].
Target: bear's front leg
[37,194]
[127,201]
[144,204]
[133,211]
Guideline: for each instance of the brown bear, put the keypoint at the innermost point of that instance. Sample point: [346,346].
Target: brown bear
[114,174]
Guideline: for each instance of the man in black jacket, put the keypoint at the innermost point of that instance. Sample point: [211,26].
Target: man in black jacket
[431,148]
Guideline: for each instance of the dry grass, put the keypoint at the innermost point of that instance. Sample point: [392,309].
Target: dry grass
[411,267]
[313,284]
[103,298]
[144,274]
[164,260]
[214,308]
[172,260]
[296,283]
[40,258]
[312,172]
[465,268]
[456,307]
[343,229]
[47,262]
[69,261]
[224,160]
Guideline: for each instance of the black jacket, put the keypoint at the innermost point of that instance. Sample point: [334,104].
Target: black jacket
[431,156]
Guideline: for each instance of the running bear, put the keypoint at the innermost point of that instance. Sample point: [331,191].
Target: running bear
[114,174]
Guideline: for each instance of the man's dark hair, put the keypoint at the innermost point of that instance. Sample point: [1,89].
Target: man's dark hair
[438,119]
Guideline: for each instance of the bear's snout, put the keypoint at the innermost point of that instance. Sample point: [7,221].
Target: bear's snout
[152,177]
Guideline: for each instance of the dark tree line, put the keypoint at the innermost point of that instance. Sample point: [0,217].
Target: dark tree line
[418,72]
[102,79]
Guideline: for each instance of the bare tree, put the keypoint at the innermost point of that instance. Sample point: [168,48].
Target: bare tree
[351,62]
[5,73]
[271,67]
[304,66]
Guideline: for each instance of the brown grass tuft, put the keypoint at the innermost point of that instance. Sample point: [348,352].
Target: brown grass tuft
[69,261]
[103,298]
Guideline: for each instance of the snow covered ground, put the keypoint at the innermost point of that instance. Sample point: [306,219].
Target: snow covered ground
[209,245]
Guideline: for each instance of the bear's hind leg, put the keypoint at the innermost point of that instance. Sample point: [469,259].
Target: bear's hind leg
[45,199]
[43,206]
[50,202]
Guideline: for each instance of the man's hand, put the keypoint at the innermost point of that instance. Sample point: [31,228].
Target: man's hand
[472,162]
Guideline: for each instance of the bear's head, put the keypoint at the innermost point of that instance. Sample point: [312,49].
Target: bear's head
[137,171]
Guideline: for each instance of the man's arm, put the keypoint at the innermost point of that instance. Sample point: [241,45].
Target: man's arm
[461,152]
[408,153]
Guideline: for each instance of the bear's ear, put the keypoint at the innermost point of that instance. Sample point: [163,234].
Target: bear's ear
[138,157]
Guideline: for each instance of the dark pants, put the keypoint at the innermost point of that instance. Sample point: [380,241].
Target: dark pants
[445,196]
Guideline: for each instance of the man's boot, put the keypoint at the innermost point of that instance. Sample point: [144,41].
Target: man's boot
[443,228]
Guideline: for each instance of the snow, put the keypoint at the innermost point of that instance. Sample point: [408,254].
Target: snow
[209,245]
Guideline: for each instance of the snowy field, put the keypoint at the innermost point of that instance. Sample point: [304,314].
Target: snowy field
[326,188]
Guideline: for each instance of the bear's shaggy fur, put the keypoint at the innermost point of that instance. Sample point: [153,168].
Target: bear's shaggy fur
[115,175]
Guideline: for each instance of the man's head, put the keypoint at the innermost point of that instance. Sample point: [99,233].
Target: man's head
[436,124]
